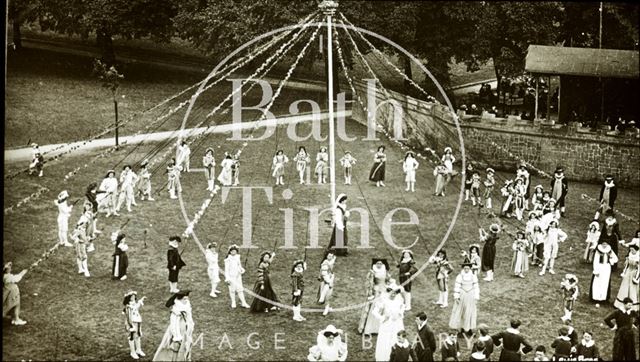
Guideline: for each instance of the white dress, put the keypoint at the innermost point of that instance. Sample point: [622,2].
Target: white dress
[603,259]
[213,268]
[233,273]
[323,351]
[409,167]
[391,315]
[225,174]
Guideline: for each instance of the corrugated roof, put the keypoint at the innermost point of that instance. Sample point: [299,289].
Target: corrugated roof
[606,63]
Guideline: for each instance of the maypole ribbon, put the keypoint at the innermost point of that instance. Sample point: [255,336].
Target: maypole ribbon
[26,200]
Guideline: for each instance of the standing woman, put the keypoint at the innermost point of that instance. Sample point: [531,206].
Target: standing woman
[233,271]
[443,269]
[559,189]
[279,161]
[593,235]
[322,168]
[178,339]
[377,280]
[603,259]
[406,269]
[120,258]
[523,173]
[133,322]
[630,280]
[520,261]
[209,163]
[339,238]
[109,185]
[11,294]
[378,169]
[297,288]
[441,173]
[390,313]
[466,294]
[608,195]
[489,250]
[128,180]
[64,212]
[213,269]
[347,162]
[327,278]
[302,160]
[226,173]
[447,161]
[263,286]
[144,187]
[409,166]
[489,183]
[624,341]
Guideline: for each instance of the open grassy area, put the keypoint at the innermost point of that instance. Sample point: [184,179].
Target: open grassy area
[76,318]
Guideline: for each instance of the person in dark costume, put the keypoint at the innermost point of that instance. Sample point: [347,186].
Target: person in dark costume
[489,250]
[401,350]
[425,344]
[512,342]
[120,258]
[624,341]
[378,169]
[559,188]
[339,238]
[611,234]
[263,287]
[297,288]
[406,269]
[174,263]
[562,345]
[608,195]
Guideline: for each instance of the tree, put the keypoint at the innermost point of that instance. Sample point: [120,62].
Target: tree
[109,18]
[580,27]
[110,79]
[19,12]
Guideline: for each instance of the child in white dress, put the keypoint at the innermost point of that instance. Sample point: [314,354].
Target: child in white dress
[322,168]
[213,269]
[347,161]
[302,161]
[409,166]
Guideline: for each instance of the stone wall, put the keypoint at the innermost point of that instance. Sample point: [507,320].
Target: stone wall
[585,156]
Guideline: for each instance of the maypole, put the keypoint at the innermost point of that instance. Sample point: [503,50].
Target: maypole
[328,8]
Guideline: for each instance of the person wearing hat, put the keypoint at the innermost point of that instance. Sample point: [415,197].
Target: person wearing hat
[37,160]
[630,280]
[82,239]
[624,341]
[570,292]
[213,269]
[178,338]
[519,198]
[538,237]
[466,293]
[302,161]
[109,186]
[225,177]
[489,250]
[128,180]
[322,165]
[339,238]
[409,166]
[523,174]
[133,322]
[447,160]
[474,258]
[593,235]
[209,164]
[390,313]
[537,197]
[11,294]
[174,263]
[64,213]
[297,288]
[327,277]
[559,188]
[120,258]
[233,271]
[514,344]
[173,179]
[441,174]
[92,201]
[277,166]
[265,296]
[520,261]
[235,168]
[608,195]
[377,280]
[144,186]
[378,169]
[406,269]
[347,161]
[184,156]
[475,189]
[508,192]
[611,234]
[468,181]
[329,346]
[425,344]
[554,237]
[489,183]
[443,269]
[603,260]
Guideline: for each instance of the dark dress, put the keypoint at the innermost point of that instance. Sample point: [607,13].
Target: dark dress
[378,168]
[511,345]
[339,235]
[403,269]
[297,283]
[259,306]
[425,346]
[624,341]
[489,252]
[120,263]
[174,259]
[562,347]
[613,194]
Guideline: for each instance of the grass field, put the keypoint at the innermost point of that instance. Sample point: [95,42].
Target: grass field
[73,318]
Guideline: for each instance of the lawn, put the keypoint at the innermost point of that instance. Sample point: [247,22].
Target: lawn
[73,318]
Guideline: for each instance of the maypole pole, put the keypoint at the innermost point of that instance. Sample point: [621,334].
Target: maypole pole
[328,8]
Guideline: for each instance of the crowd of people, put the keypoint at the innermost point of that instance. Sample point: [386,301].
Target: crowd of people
[537,243]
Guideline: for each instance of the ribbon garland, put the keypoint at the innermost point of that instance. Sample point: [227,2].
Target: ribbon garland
[26,200]
[618,213]
[44,256]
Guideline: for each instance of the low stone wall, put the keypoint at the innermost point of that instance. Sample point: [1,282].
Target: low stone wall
[585,156]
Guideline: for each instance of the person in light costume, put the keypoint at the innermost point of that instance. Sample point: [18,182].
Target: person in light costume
[409,166]
[302,161]
[233,271]
[322,165]
[209,164]
[133,322]
[177,341]
[64,213]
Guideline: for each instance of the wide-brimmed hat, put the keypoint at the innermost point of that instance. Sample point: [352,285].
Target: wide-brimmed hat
[596,224]
[490,170]
[207,150]
[494,228]
[296,263]
[382,260]
[406,251]
[330,329]
[340,198]
[539,187]
[144,163]
[572,278]
[508,182]
[520,232]
[608,177]
[610,221]
[554,221]
[522,165]
[466,262]
[233,247]
[448,149]
[125,166]
[63,195]
[393,286]
[519,179]
[559,169]
[110,172]
[474,246]
[179,295]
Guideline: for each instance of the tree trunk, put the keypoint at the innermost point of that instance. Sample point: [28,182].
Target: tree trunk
[17,35]
[105,43]
[406,62]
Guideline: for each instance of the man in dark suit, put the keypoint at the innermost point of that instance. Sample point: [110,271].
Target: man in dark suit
[425,344]
[512,342]
[174,263]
